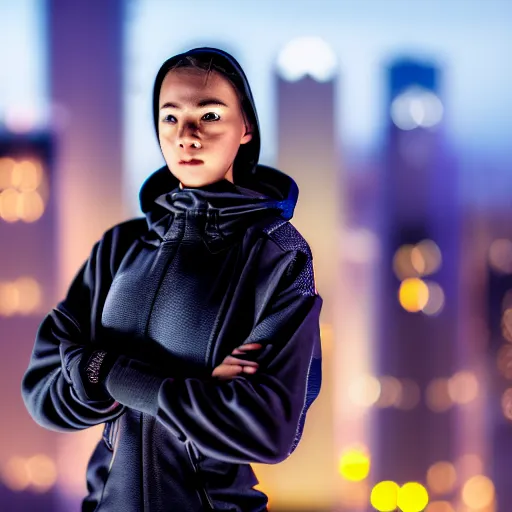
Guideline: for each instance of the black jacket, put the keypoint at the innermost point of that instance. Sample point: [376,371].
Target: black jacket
[172,294]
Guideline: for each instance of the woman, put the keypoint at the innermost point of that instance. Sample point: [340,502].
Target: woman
[192,332]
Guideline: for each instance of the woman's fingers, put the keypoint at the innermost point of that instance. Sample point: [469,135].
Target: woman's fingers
[233,366]
[237,361]
[226,371]
[250,346]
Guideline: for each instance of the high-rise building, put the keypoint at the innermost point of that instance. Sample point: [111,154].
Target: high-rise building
[418,297]
[27,292]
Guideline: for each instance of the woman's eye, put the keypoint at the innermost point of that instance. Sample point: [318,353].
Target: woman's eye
[211,116]
[169,119]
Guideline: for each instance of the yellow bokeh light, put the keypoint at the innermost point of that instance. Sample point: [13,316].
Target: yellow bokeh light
[15,474]
[42,472]
[365,391]
[30,206]
[440,506]
[463,387]
[9,299]
[478,492]
[384,496]
[437,396]
[9,205]
[6,167]
[412,497]
[441,477]
[29,295]
[413,294]
[355,463]
[27,175]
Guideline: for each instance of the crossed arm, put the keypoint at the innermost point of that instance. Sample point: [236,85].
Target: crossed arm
[244,413]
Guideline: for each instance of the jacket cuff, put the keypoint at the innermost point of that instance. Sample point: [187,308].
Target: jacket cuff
[134,384]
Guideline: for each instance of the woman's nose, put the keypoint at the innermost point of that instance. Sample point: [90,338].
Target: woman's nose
[187,136]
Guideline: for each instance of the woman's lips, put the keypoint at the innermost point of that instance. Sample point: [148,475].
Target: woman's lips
[190,162]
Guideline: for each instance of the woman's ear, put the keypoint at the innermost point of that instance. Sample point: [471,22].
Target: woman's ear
[246,137]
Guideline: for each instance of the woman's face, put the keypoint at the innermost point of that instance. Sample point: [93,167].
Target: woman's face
[201,126]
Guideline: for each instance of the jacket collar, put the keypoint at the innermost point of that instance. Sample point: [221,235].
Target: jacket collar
[214,212]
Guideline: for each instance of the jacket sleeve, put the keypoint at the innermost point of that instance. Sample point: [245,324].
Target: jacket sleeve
[255,418]
[64,335]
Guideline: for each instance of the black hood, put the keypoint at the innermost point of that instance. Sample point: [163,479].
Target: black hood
[258,191]
[248,154]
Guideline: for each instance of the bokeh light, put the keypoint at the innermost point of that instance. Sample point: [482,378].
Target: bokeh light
[365,391]
[22,296]
[384,496]
[439,506]
[27,175]
[6,167]
[500,256]
[355,463]
[437,396]
[412,497]
[410,396]
[15,474]
[9,205]
[506,324]
[390,392]
[441,477]
[469,465]
[9,299]
[305,56]
[506,404]
[30,206]
[427,257]
[42,472]
[416,107]
[504,360]
[478,492]
[413,294]
[463,387]
[435,301]
[402,263]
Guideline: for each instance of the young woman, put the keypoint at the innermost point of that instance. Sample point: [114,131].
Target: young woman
[192,332]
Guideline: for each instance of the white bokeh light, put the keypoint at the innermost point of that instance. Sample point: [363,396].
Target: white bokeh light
[416,107]
[307,56]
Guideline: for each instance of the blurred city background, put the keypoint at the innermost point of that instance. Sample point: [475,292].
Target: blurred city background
[395,119]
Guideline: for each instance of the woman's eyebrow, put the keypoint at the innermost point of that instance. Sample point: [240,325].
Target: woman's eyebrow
[203,103]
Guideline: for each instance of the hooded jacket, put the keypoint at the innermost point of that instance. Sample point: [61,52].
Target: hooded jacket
[171,294]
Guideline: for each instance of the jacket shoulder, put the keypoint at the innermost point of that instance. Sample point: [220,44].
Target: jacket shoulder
[287,237]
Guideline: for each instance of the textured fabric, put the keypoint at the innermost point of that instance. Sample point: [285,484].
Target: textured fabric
[168,296]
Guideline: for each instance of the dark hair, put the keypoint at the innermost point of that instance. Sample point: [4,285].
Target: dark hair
[208,60]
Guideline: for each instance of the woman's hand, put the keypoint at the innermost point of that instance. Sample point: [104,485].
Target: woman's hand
[234,366]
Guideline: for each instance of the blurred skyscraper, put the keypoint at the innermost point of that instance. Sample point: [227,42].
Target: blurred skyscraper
[27,291]
[305,95]
[414,429]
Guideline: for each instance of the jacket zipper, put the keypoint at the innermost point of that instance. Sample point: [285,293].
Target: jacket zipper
[203,494]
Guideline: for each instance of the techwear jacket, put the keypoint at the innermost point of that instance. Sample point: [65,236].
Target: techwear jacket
[172,294]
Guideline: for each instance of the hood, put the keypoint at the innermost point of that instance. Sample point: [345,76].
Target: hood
[248,154]
[258,191]
[226,208]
